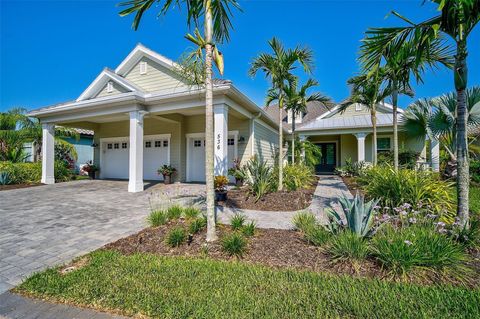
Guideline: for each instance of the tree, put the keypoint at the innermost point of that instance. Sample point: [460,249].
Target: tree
[215,17]
[279,67]
[456,20]
[398,64]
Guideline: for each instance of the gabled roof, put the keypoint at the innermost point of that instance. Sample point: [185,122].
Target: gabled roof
[350,122]
[137,54]
[107,75]
[337,109]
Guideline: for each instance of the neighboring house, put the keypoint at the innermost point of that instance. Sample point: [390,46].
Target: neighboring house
[348,135]
[144,116]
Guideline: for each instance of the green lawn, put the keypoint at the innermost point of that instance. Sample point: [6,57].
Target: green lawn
[200,288]
[475,199]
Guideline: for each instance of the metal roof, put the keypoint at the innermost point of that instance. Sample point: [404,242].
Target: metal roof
[349,122]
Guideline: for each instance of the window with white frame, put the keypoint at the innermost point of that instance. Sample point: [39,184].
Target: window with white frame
[124,145]
[383,144]
[197,143]
[165,143]
[231,141]
[116,146]
[148,144]
[109,146]
[358,107]
[143,67]
[298,117]
[158,143]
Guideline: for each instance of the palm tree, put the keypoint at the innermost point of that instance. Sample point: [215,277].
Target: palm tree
[456,20]
[436,118]
[398,64]
[215,16]
[279,67]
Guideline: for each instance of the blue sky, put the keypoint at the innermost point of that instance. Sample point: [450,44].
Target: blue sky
[50,51]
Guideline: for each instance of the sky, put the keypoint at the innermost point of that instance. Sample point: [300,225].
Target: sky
[50,51]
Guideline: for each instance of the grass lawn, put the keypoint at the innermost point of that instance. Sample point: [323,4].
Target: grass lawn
[475,199]
[173,287]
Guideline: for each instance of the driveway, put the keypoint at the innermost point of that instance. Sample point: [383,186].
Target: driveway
[48,225]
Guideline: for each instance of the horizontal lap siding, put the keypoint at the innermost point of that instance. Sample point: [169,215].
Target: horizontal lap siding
[116,89]
[266,143]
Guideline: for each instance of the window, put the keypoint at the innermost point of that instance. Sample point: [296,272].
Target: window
[158,143]
[115,146]
[197,143]
[231,141]
[358,107]
[148,144]
[298,117]
[143,67]
[165,143]
[109,87]
[109,146]
[124,145]
[383,144]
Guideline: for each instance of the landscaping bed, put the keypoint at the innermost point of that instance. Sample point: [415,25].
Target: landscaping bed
[275,201]
[17,186]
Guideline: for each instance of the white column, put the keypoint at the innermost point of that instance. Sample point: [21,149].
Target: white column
[435,154]
[221,139]
[135,169]
[302,139]
[48,153]
[361,146]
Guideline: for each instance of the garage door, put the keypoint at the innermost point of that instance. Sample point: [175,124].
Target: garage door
[115,157]
[196,157]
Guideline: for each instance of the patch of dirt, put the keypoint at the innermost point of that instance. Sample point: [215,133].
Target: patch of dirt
[269,247]
[275,201]
[75,265]
[352,185]
[17,186]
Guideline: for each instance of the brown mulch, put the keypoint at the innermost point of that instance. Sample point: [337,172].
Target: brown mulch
[275,201]
[269,247]
[17,186]
[352,185]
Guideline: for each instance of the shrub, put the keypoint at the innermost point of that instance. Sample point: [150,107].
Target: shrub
[174,212]
[23,173]
[176,237]
[237,221]
[220,183]
[469,237]
[347,246]
[191,212]
[352,168]
[4,178]
[406,159]
[416,251]
[258,176]
[249,229]
[395,188]
[297,176]
[197,225]
[317,235]
[157,218]
[303,221]
[359,215]
[475,171]
[234,244]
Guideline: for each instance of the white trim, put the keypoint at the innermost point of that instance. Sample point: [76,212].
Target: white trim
[143,65]
[189,136]
[336,109]
[266,126]
[390,137]
[109,87]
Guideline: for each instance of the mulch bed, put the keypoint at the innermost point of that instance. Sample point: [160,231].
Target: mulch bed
[275,201]
[352,185]
[17,186]
[270,247]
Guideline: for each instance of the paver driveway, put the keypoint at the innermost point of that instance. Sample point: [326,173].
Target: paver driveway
[48,225]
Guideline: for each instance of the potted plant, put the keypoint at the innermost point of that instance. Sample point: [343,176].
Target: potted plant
[167,171]
[220,183]
[91,169]
[237,172]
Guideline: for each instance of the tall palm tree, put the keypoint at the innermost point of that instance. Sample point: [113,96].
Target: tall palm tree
[456,20]
[398,64]
[215,17]
[368,91]
[279,67]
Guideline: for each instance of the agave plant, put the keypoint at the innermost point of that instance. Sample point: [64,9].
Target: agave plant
[359,215]
[4,178]
[258,176]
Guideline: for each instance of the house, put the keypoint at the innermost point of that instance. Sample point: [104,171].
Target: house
[144,115]
[348,134]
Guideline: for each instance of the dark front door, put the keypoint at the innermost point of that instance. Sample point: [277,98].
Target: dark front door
[328,160]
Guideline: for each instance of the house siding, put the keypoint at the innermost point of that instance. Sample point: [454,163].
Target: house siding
[350,111]
[266,143]
[116,89]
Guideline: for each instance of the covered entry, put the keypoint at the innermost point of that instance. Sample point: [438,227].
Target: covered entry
[328,159]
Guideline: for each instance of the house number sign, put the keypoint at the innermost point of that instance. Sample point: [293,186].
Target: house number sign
[219,139]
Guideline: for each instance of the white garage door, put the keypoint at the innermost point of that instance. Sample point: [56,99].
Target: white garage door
[196,157]
[115,157]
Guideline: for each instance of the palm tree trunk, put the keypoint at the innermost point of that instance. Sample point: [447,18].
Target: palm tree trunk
[280,143]
[463,178]
[395,126]
[211,233]
[293,137]
[373,113]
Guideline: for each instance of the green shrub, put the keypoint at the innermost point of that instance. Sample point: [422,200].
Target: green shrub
[352,168]
[174,212]
[191,212]
[317,235]
[4,178]
[234,244]
[396,188]
[249,229]
[176,236]
[23,173]
[297,176]
[475,171]
[237,221]
[418,250]
[197,225]
[303,221]
[469,237]
[157,218]
[258,176]
[347,246]
[406,159]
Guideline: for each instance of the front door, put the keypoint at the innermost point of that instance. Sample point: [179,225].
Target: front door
[328,159]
